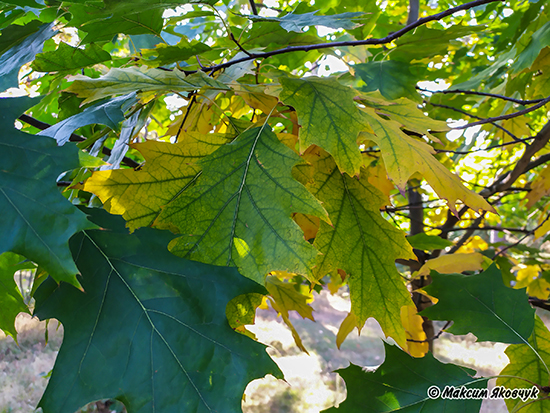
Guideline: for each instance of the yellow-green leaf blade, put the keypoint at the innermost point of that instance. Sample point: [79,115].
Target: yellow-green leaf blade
[139,195]
[404,156]
[360,242]
[239,212]
[329,118]
[131,79]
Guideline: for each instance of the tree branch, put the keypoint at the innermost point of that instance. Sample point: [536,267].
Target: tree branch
[388,39]
[504,117]
[73,138]
[493,95]
[514,137]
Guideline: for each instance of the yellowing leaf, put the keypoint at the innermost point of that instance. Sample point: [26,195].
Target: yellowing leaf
[377,177]
[288,298]
[169,168]
[239,211]
[329,118]
[539,188]
[360,242]
[241,311]
[120,81]
[539,288]
[403,156]
[516,126]
[476,243]
[412,323]
[347,326]
[406,113]
[455,263]
[309,224]
[525,276]
[543,229]
[528,362]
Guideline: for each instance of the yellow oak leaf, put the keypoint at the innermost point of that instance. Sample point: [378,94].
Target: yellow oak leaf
[455,263]
[139,195]
[347,326]
[404,155]
[539,188]
[412,323]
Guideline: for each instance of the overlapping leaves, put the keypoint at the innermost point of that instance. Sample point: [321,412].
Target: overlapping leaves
[239,211]
[150,328]
[169,169]
[360,242]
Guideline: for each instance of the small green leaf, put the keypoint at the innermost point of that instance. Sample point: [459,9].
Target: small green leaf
[150,328]
[296,22]
[482,305]
[401,384]
[66,57]
[428,242]
[11,301]
[23,52]
[163,54]
[393,79]
[37,221]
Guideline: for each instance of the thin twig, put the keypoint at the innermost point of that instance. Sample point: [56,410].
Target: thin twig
[504,117]
[531,232]
[242,49]
[484,149]
[493,95]
[514,137]
[373,41]
[431,338]
[490,228]
[253,7]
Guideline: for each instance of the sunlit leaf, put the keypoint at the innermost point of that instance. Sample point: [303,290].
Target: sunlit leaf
[239,211]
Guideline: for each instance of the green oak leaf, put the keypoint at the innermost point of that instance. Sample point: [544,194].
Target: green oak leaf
[15,33]
[360,242]
[296,22]
[66,57]
[427,242]
[539,40]
[149,330]
[103,23]
[37,221]
[109,113]
[143,79]
[239,211]
[529,362]
[482,305]
[11,300]
[393,79]
[329,118]
[164,54]
[426,42]
[23,52]
[401,385]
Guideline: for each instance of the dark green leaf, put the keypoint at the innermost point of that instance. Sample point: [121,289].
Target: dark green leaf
[393,79]
[37,221]
[482,305]
[150,328]
[296,22]
[401,385]
[428,242]
[67,58]
[23,52]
